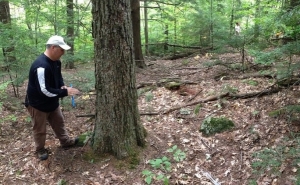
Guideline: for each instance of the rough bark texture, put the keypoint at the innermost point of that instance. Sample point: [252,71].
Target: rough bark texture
[117,121]
[4,12]
[70,34]
[136,26]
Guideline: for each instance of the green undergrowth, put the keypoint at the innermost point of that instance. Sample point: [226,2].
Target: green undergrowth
[161,168]
[289,112]
[273,161]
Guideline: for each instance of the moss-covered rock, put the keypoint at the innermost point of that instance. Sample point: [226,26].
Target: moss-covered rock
[213,125]
[172,85]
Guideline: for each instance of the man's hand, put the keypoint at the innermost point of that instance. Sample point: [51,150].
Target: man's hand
[72,91]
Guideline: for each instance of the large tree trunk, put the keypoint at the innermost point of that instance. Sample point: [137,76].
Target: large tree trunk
[117,121]
[70,34]
[136,26]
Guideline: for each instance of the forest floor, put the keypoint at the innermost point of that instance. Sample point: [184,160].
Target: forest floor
[260,149]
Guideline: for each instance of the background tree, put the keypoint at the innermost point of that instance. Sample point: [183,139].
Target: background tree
[136,26]
[117,124]
[7,47]
[146,42]
[7,44]
[70,34]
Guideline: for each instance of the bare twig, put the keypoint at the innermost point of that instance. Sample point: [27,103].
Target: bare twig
[207,175]
[86,115]
[195,95]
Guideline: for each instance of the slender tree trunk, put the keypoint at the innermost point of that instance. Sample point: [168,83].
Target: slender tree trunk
[257,15]
[117,123]
[136,26]
[8,48]
[211,25]
[175,30]
[8,45]
[55,17]
[146,28]
[166,38]
[70,34]
[294,3]
[231,26]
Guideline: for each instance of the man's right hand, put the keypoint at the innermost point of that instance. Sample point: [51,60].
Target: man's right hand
[72,91]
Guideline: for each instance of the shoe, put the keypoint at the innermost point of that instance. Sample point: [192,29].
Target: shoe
[71,143]
[42,154]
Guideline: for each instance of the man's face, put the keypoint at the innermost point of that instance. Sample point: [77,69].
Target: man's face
[56,52]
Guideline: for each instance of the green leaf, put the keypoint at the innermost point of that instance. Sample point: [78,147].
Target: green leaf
[165,158]
[160,176]
[148,179]
[146,172]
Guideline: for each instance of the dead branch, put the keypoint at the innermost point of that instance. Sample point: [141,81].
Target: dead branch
[145,84]
[195,95]
[149,113]
[85,115]
[211,98]
[257,94]
[159,84]
[256,75]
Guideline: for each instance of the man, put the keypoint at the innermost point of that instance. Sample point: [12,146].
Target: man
[45,87]
[237,28]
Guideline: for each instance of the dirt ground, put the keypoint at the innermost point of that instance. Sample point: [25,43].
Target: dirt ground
[224,158]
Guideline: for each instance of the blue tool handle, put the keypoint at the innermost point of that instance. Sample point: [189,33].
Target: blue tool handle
[73,99]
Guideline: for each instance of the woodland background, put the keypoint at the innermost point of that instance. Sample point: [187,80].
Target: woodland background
[166,29]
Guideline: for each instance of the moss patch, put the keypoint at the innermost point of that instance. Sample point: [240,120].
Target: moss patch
[211,125]
[83,138]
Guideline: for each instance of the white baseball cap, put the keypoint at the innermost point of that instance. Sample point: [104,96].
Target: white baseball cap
[59,41]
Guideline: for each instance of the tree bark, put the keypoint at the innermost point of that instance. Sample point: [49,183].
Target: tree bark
[136,26]
[146,27]
[70,34]
[6,20]
[117,121]
[257,16]
[294,3]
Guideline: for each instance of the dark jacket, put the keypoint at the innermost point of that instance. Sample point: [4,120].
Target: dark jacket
[44,85]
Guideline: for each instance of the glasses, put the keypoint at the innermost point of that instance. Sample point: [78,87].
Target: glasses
[61,49]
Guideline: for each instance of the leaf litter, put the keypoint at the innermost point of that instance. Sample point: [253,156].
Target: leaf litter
[224,158]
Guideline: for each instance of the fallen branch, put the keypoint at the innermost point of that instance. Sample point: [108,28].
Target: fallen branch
[149,113]
[211,98]
[159,84]
[257,94]
[86,115]
[256,75]
[195,95]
